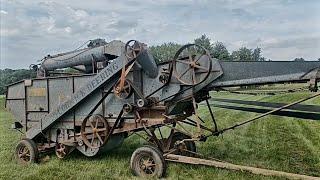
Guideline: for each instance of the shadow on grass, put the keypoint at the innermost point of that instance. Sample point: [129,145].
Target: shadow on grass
[121,153]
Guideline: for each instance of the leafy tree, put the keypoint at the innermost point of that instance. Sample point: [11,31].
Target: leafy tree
[256,55]
[220,52]
[164,52]
[243,54]
[299,59]
[318,59]
[204,41]
[8,76]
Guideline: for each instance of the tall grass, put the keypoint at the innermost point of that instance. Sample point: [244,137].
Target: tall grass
[280,143]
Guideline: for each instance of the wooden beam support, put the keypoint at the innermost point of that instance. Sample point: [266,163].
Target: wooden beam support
[226,165]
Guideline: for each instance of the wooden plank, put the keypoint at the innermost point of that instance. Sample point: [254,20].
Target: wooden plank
[230,166]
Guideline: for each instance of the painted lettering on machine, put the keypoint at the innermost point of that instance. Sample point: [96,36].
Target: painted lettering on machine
[96,82]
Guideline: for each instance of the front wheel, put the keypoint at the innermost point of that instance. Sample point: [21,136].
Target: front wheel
[147,162]
[26,152]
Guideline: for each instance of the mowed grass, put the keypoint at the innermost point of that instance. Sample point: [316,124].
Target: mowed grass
[274,142]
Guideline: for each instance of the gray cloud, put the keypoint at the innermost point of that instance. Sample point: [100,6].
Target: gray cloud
[32,29]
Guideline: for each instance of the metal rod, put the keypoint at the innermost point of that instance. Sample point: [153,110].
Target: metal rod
[267,113]
[212,117]
[192,123]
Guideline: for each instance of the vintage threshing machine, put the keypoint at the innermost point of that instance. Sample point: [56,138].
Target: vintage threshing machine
[120,89]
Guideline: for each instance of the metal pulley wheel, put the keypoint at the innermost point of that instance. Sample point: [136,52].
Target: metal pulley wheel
[192,64]
[132,49]
[94,131]
[62,150]
[123,92]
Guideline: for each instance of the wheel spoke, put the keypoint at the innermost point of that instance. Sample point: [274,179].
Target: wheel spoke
[189,54]
[194,77]
[97,122]
[198,58]
[201,67]
[183,62]
[150,170]
[184,73]
[91,123]
[92,140]
[100,139]
[101,129]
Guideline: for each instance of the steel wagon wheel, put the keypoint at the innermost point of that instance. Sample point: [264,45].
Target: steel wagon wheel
[26,152]
[147,162]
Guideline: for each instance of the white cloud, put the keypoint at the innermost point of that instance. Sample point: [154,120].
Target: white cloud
[39,27]
[3,12]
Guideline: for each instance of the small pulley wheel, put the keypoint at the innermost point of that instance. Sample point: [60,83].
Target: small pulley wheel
[192,64]
[62,150]
[132,49]
[94,131]
[123,92]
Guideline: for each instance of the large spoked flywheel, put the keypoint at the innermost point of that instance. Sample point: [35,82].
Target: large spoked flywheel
[94,131]
[192,64]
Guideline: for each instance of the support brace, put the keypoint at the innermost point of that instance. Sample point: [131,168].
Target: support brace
[225,165]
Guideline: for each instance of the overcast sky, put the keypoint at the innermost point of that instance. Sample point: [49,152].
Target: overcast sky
[284,29]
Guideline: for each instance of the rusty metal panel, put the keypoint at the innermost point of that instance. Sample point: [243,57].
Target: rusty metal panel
[81,81]
[17,108]
[113,104]
[33,118]
[16,91]
[84,108]
[60,90]
[37,96]
[64,124]
[262,72]
[104,77]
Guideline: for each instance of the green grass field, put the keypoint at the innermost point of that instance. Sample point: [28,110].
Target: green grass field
[279,143]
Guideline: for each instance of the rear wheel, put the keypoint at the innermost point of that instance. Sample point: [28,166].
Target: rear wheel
[184,148]
[26,152]
[147,161]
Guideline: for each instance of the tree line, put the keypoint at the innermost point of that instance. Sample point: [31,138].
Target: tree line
[163,52]
[166,51]
[9,76]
